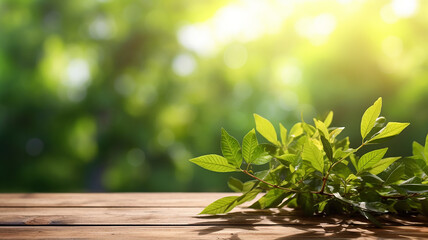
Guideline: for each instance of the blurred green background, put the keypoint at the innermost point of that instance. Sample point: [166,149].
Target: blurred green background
[118,95]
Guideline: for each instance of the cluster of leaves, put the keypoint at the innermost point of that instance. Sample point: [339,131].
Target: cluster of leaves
[313,170]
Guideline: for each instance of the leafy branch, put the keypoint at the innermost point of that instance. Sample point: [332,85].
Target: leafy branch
[311,169]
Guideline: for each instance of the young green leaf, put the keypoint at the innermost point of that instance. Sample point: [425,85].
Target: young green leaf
[369,117]
[249,143]
[370,158]
[230,149]
[382,165]
[266,129]
[335,133]
[391,129]
[260,156]
[222,205]
[283,132]
[214,163]
[312,154]
[328,119]
[321,127]
[419,152]
[296,130]
[235,184]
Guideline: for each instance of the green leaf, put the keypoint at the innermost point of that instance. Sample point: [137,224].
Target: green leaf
[222,205]
[321,127]
[260,156]
[369,117]
[249,185]
[414,188]
[231,149]
[391,129]
[336,132]
[371,206]
[393,173]
[271,199]
[370,158]
[249,143]
[266,129]
[312,154]
[327,148]
[287,159]
[283,132]
[248,196]
[328,119]
[296,130]
[235,184]
[382,165]
[419,152]
[214,163]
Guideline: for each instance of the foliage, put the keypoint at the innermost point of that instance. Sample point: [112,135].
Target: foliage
[313,170]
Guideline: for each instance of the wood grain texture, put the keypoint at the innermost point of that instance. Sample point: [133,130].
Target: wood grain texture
[213,232]
[175,216]
[110,199]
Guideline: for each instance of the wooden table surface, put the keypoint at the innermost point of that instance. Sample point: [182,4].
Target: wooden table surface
[175,216]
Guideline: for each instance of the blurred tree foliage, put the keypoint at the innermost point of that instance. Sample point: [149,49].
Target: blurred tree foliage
[118,95]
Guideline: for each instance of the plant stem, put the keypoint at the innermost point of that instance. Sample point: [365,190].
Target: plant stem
[279,187]
[325,178]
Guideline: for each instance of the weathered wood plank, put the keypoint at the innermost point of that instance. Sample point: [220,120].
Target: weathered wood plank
[110,199]
[173,217]
[213,232]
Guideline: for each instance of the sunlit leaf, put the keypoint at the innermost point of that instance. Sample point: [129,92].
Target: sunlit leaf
[370,158]
[222,205]
[283,132]
[369,117]
[321,127]
[382,165]
[328,119]
[287,158]
[391,129]
[336,132]
[266,129]
[214,163]
[260,156]
[296,130]
[231,149]
[312,154]
[248,196]
[249,144]
[419,151]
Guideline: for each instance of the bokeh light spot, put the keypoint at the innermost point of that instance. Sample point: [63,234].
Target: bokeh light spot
[235,56]
[184,64]
[405,8]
